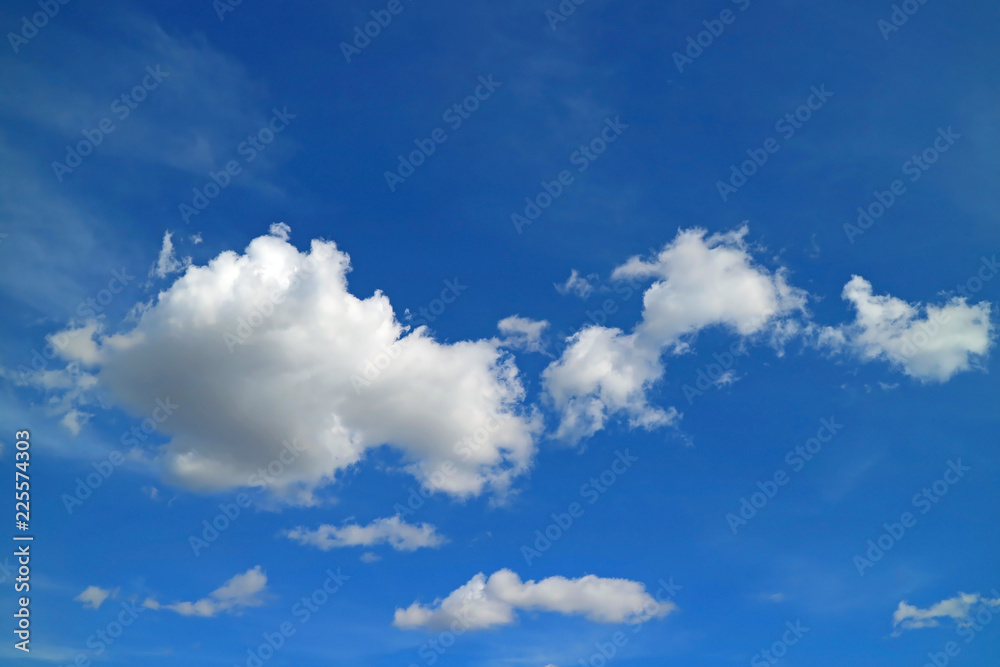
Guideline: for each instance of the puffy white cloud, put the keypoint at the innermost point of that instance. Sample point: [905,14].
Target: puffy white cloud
[259,348]
[94,596]
[167,262]
[958,608]
[523,333]
[698,282]
[702,282]
[485,603]
[930,343]
[394,531]
[240,592]
[577,285]
[602,372]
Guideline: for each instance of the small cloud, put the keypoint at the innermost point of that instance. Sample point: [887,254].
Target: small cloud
[167,262]
[280,230]
[196,238]
[394,531]
[887,386]
[958,608]
[576,285]
[523,333]
[93,597]
[74,420]
[369,557]
[727,378]
[240,592]
[152,492]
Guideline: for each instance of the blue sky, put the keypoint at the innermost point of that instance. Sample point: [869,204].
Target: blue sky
[711,398]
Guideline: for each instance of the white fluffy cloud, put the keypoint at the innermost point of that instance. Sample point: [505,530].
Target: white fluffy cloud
[930,343]
[400,535]
[240,592]
[260,348]
[698,282]
[523,333]
[958,608]
[484,603]
[602,372]
[94,596]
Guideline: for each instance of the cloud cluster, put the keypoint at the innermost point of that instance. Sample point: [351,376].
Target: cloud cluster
[259,348]
[393,531]
[490,602]
[266,346]
[240,592]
